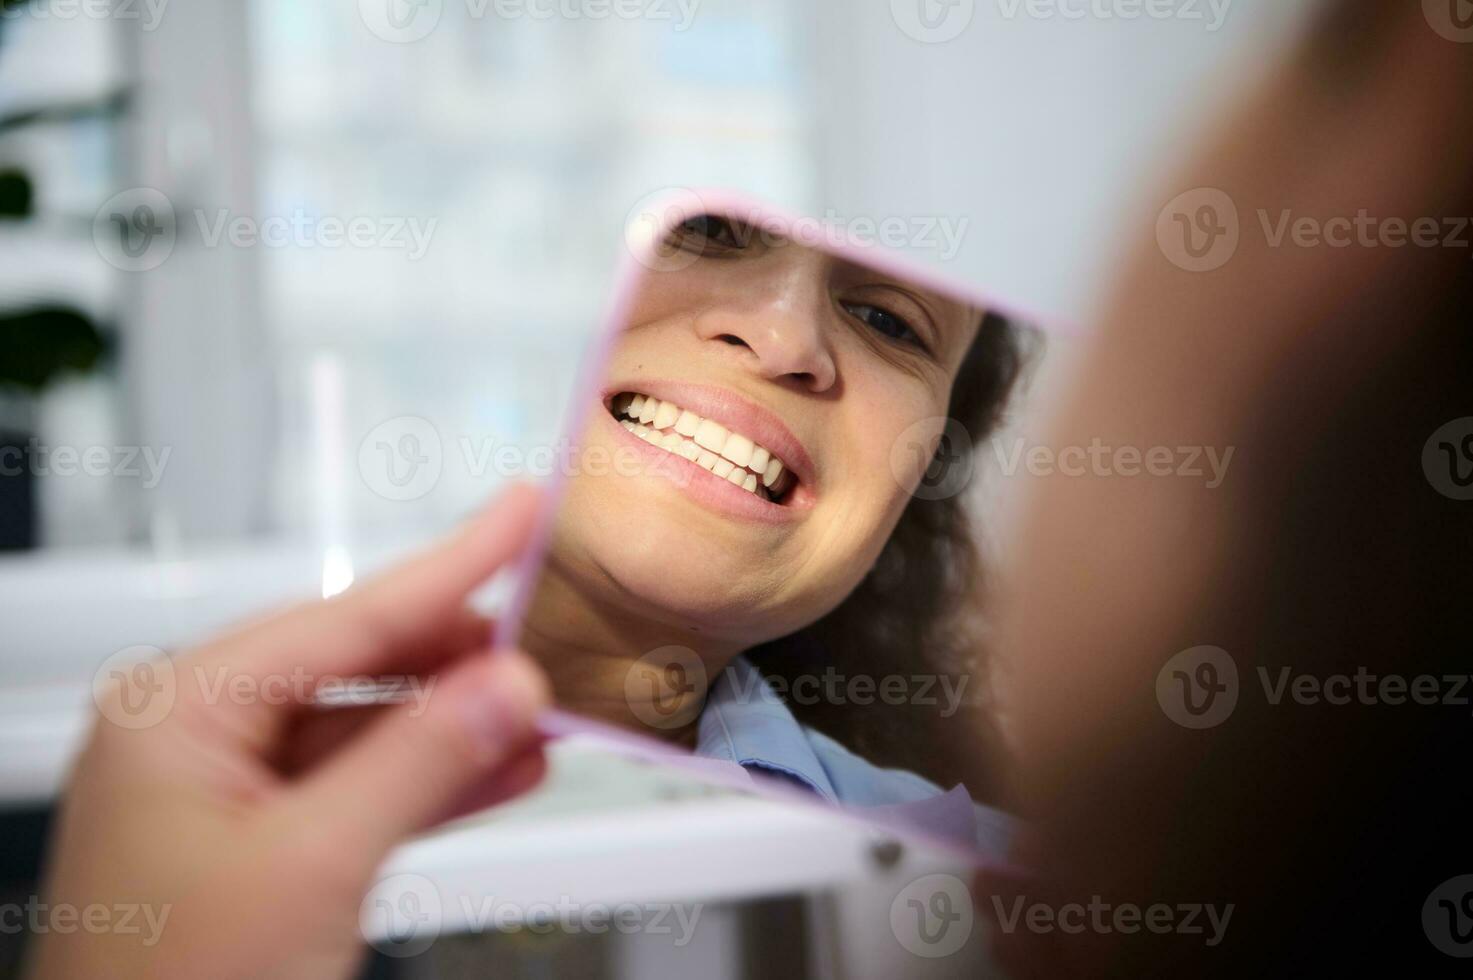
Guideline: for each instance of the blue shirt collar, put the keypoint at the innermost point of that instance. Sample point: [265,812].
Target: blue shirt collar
[745,722]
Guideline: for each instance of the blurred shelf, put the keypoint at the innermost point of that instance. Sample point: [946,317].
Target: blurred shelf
[50,61]
[51,262]
[109,107]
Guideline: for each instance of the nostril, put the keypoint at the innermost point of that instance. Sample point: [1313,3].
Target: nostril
[733,339]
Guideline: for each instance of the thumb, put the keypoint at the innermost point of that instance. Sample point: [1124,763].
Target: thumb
[413,764]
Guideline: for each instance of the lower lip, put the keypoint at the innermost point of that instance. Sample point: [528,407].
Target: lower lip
[708,489]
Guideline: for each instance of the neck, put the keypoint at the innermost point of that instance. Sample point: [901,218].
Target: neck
[617,666]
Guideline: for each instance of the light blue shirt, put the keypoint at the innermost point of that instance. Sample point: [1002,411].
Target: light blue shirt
[746,723]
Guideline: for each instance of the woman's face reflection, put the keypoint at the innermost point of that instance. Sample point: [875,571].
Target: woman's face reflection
[768,411]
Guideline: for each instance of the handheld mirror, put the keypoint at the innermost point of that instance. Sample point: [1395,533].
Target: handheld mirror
[762,555]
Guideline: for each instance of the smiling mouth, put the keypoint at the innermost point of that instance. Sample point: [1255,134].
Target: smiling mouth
[729,455]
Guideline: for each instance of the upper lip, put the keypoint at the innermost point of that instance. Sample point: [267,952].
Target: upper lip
[733,412]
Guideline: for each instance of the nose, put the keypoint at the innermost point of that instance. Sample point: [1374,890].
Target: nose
[775,326]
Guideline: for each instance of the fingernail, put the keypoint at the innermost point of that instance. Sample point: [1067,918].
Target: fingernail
[508,694]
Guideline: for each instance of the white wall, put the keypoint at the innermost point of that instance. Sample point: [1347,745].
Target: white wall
[1041,132]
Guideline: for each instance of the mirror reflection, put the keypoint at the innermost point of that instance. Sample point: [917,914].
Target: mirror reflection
[767,549]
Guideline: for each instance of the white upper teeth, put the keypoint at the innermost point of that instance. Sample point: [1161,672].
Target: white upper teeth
[665,415]
[729,455]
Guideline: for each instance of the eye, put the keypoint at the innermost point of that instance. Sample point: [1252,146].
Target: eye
[706,234]
[883,321]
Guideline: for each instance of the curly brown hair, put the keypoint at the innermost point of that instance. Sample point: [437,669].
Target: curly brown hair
[918,611]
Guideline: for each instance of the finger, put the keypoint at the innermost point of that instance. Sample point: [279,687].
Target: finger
[310,736]
[398,621]
[281,717]
[365,628]
[408,769]
[314,737]
[407,600]
[520,775]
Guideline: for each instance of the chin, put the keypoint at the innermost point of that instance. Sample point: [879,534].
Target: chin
[674,567]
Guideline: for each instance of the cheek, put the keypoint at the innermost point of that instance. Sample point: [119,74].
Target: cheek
[891,433]
[885,435]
